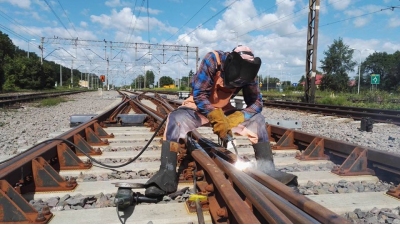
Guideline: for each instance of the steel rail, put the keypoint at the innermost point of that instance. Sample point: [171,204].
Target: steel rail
[250,187]
[347,108]
[291,211]
[19,166]
[147,109]
[15,169]
[32,97]
[319,212]
[384,118]
[263,205]
[239,209]
[380,159]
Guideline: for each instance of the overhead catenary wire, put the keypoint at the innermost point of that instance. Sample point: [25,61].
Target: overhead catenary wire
[72,24]
[206,21]
[58,18]
[130,24]
[14,33]
[136,19]
[7,17]
[187,21]
[258,14]
[282,19]
[323,25]
[148,21]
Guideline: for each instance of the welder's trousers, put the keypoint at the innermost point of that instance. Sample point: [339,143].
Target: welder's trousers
[183,120]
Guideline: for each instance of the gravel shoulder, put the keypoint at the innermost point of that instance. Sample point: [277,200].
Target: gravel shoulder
[24,127]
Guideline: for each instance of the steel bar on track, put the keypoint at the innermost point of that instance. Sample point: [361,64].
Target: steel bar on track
[236,205]
[22,162]
[344,148]
[319,212]
[394,119]
[264,206]
[291,211]
[347,108]
[147,110]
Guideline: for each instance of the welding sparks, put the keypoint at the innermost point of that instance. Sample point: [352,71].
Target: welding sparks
[241,165]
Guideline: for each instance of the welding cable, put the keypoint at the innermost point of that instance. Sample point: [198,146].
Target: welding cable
[91,158]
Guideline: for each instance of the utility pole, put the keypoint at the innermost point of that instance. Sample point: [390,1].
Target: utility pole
[28,45]
[60,75]
[144,76]
[159,75]
[41,49]
[311,50]
[72,74]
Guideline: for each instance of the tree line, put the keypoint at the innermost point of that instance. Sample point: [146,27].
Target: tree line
[17,71]
[339,61]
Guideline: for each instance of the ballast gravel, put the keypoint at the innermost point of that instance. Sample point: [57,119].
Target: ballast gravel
[20,128]
[25,126]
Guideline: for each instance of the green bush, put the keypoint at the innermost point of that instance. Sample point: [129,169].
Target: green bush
[339,100]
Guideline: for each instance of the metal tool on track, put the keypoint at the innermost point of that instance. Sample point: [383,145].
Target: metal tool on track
[125,197]
[230,138]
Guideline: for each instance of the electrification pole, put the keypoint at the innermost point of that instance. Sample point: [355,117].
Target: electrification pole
[311,50]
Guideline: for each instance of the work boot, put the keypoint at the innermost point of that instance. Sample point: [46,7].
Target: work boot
[165,181]
[265,163]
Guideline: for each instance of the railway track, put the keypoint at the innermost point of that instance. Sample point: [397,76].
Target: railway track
[357,113]
[61,186]
[14,100]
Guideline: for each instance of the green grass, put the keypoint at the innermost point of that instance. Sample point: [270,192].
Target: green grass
[51,102]
[366,99]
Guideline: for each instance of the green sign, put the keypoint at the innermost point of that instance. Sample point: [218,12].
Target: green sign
[375,78]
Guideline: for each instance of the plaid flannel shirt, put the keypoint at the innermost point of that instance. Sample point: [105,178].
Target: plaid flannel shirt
[203,81]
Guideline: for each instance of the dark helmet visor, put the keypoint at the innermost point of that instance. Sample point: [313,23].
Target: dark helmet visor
[238,71]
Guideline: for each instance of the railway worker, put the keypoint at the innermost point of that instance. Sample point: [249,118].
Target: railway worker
[220,77]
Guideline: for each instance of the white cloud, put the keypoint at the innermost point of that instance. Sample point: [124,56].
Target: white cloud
[265,33]
[394,22]
[113,3]
[19,3]
[339,5]
[83,24]
[36,16]
[85,12]
[125,21]
[117,3]
[361,21]
[42,5]
[151,11]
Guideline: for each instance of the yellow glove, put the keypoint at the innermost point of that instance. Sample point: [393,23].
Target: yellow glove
[219,122]
[235,119]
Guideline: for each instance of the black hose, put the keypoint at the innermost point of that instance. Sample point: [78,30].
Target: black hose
[94,160]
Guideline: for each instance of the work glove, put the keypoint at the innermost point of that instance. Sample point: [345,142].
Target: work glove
[220,123]
[235,119]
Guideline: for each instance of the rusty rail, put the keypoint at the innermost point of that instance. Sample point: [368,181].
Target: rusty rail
[319,212]
[273,207]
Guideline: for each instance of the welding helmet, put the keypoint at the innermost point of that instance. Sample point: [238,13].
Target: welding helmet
[240,67]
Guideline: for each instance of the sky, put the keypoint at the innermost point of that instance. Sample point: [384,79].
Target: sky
[164,35]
